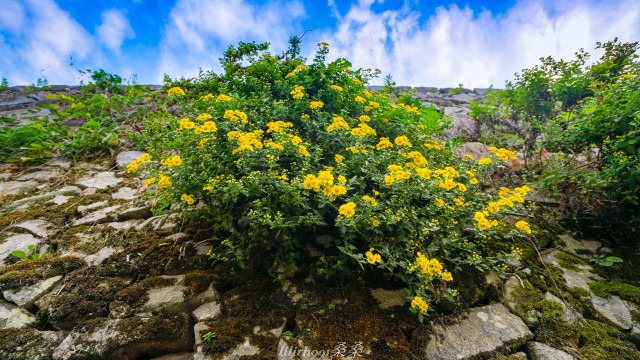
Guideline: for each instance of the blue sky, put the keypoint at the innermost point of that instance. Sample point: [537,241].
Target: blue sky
[420,42]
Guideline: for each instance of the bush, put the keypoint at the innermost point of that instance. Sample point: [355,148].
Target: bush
[277,151]
[587,115]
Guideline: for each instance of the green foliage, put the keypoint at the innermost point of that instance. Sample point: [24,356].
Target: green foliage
[287,335]
[31,142]
[607,288]
[208,336]
[277,151]
[577,124]
[31,253]
[4,84]
[603,260]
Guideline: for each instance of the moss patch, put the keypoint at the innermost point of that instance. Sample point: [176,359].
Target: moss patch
[607,288]
[24,273]
[569,261]
[600,341]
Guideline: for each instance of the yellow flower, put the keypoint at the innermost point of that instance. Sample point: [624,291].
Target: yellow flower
[206,97]
[448,184]
[469,156]
[363,130]
[223,97]
[384,143]
[172,161]
[316,104]
[524,226]
[295,140]
[208,126]
[337,122]
[235,115]
[187,198]
[473,181]
[484,161]
[278,126]
[373,258]
[164,181]
[419,303]
[374,104]
[202,142]
[303,150]
[423,173]
[339,159]
[335,87]
[370,200]
[207,188]
[348,210]
[297,92]
[150,181]
[440,202]
[342,179]
[360,99]
[364,118]
[305,116]
[186,124]
[310,182]
[403,141]
[133,166]
[446,276]
[462,187]
[175,91]
[375,222]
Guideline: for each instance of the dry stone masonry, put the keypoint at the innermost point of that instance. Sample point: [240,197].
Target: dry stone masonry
[121,283]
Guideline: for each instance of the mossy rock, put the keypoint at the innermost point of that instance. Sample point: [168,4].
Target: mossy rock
[599,341]
[606,289]
[20,344]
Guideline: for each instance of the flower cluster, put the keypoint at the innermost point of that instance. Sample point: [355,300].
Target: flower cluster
[247,141]
[133,166]
[430,267]
[297,92]
[172,161]
[419,303]
[236,115]
[373,258]
[396,173]
[175,91]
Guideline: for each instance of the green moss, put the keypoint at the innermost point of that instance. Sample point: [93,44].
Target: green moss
[569,261]
[607,288]
[600,341]
[136,294]
[547,278]
[579,292]
[557,333]
[549,308]
[24,273]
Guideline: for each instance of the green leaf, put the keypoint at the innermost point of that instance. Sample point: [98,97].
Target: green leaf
[19,254]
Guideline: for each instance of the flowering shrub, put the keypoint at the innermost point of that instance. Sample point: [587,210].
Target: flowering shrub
[276,149]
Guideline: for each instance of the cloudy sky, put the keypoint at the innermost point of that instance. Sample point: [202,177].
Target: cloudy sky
[420,42]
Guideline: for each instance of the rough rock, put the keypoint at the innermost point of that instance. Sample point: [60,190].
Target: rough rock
[461,125]
[16,242]
[579,278]
[26,296]
[100,256]
[101,180]
[98,217]
[125,193]
[592,245]
[568,313]
[21,344]
[86,209]
[475,149]
[479,334]
[540,351]
[169,296]
[509,287]
[18,187]
[176,356]
[244,349]
[38,227]
[389,298]
[42,175]
[614,311]
[572,245]
[14,317]
[20,102]
[130,338]
[135,213]
[208,311]
[127,157]
[124,225]
[162,224]
[63,164]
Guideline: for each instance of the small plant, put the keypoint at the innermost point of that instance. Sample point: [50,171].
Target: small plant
[32,254]
[287,335]
[605,261]
[206,337]
[4,85]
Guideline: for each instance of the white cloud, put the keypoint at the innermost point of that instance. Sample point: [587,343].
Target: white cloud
[478,49]
[114,29]
[12,16]
[198,32]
